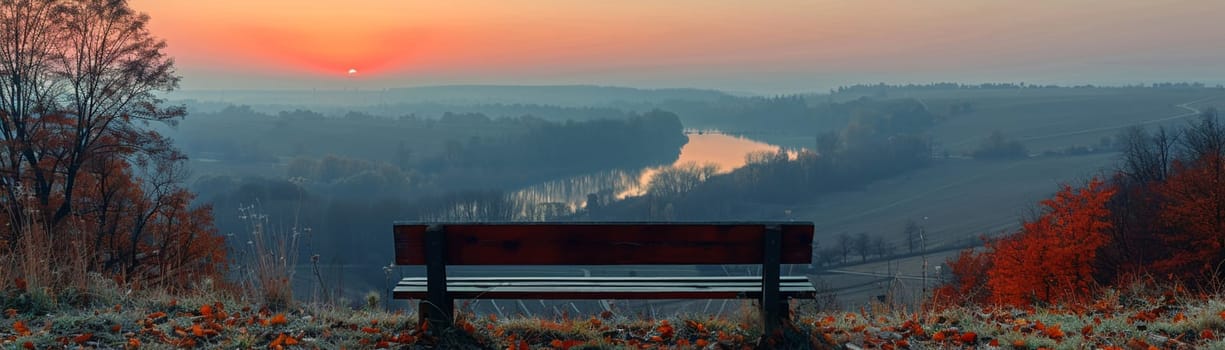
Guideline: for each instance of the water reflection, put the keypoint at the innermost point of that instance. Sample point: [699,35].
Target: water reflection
[725,152]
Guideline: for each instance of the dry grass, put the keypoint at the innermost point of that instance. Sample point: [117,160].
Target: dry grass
[268,259]
[54,263]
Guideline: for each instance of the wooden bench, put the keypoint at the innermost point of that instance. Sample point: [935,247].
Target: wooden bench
[767,244]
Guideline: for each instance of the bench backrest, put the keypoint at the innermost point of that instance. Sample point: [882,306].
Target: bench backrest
[604,243]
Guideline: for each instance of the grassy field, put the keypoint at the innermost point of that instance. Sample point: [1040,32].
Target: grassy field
[1055,119]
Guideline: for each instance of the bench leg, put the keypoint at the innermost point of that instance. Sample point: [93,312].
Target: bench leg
[770,293]
[774,315]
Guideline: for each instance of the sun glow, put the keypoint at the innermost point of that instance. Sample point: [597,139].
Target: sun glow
[352,71]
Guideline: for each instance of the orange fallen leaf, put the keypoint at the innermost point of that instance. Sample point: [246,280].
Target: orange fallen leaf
[939,336]
[665,329]
[21,329]
[1054,332]
[81,339]
[279,319]
[278,342]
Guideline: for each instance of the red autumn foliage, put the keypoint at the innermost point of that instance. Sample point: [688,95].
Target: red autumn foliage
[1051,259]
[969,284]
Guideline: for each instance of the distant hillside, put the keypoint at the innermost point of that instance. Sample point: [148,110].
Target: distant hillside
[559,95]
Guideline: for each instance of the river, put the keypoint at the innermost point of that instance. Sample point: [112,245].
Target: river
[725,152]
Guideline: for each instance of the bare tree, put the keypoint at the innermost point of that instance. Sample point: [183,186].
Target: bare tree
[680,179]
[80,79]
[112,69]
[1146,157]
[1205,138]
[844,244]
[912,231]
[27,91]
[881,247]
[863,245]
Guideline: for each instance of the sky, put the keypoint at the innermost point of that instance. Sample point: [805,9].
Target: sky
[775,46]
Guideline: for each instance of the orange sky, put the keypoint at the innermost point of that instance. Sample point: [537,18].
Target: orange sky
[736,45]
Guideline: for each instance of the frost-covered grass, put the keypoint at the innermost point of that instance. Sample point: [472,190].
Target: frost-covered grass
[109,317]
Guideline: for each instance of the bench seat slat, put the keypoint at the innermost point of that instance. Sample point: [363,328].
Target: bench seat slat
[615,278]
[625,283]
[603,288]
[451,286]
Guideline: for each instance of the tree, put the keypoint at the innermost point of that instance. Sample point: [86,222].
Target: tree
[1194,218]
[679,180]
[863,245]
[79,88]
[844,245]
[1051,259]
[881,247]
[913,234]
[997,146]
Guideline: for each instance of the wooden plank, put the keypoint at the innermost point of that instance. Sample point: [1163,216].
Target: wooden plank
[543,286]
[596,289]
[564,280]
[409,243]
[579,293]
[575,288]
[600,283]
[605,243]
[611,284]
[617,278]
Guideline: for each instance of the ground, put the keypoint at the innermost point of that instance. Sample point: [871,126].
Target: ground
[1137,318]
